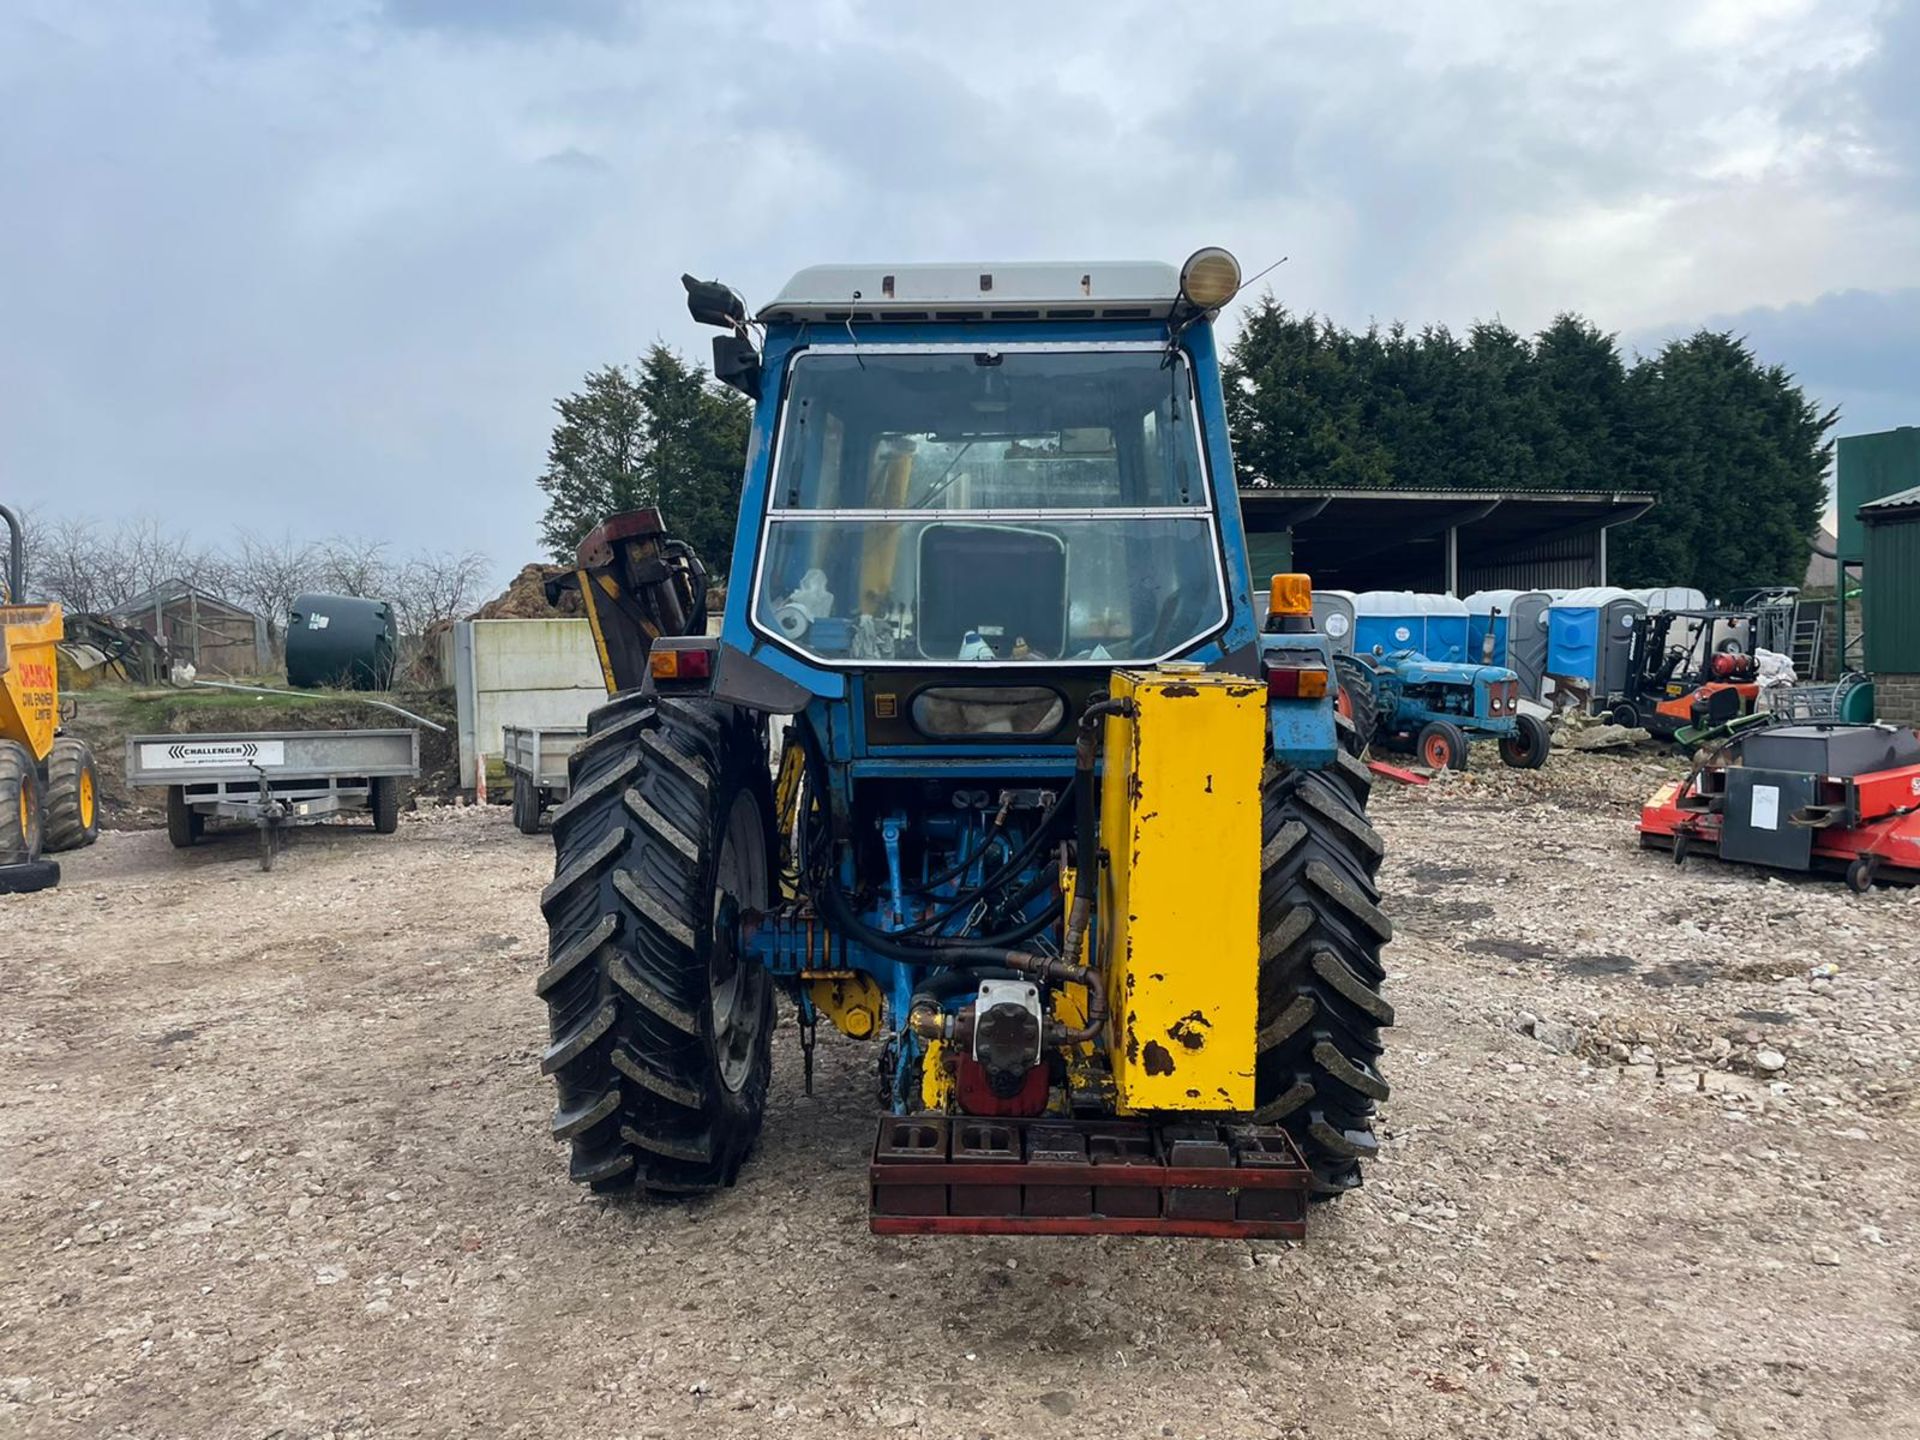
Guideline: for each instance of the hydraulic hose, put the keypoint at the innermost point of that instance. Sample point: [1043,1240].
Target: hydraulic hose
[931,950]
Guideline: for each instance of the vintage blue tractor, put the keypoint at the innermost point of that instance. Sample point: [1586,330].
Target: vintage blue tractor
[1433,708]
[995,763]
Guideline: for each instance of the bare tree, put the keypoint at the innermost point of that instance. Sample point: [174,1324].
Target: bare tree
[269,574]
[150,555]
[68,561]
[431,589]
[355,565]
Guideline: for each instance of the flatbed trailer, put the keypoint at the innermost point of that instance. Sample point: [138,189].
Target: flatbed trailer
[275,779]
[536,758]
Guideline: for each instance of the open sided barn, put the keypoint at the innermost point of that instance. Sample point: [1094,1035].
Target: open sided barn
[1456,541]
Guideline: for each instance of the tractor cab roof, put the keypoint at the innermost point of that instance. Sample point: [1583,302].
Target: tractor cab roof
[986,290]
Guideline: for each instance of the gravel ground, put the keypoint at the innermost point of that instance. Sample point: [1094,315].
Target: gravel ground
[275,1165]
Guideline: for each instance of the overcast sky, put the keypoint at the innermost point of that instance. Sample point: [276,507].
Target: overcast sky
[325,266]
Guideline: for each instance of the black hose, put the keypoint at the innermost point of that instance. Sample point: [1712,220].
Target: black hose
[932,950]
[943,985]
[1014,864]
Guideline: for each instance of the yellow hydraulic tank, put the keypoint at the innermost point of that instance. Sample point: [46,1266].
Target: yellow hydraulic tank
[1180,916]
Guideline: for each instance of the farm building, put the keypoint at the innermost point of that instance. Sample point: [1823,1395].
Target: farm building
[216,635]
[1455,541]
[1891,604]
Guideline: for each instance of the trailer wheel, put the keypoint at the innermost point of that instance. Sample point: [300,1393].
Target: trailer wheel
[22,805]
[526,805]
[383,798]
[661,1047]
[1861,872]
[1321,933]
[73,804]
[1526,748]
[185,825]
[1442,746]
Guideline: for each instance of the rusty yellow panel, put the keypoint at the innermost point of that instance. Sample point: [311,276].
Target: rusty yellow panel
[1180,925]
[29,675]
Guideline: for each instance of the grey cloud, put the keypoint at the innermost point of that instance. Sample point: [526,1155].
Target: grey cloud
[326,265]
[1857,349]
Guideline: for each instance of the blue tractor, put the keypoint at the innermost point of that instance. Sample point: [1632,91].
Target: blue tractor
[995,763]
[1403,701]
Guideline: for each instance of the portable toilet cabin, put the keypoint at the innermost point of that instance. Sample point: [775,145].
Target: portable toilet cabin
[1448,627]
[1590,636]
[1517,622]
[1683,633]
[1388,620]
[1333,618]
[1670,597]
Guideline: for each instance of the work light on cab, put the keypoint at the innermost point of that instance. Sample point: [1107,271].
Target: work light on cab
[1210,278]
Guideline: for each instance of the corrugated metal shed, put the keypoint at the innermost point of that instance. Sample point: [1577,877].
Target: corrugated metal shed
[1891,604]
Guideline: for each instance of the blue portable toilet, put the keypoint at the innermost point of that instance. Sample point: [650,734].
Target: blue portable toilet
[1589,634]
[1517,621]
[1448,627]
[1388,620]
[1489,611]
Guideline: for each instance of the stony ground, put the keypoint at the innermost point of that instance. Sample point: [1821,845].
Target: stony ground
[275,1165]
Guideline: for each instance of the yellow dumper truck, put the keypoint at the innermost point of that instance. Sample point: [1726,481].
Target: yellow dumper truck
[48,796]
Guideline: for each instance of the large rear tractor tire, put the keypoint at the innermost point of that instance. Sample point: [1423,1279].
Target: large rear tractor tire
[1356,702]
[1321,933]
[73,795]
[22,805]
[661,1032]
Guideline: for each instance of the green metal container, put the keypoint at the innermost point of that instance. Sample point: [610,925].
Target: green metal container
[1866,468]
[1890,607]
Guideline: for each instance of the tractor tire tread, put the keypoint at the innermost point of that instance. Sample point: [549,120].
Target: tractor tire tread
[1322,930]
[638,1094]
[70,780]
[20,791]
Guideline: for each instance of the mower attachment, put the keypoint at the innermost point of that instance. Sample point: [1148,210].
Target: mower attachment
[968,1175]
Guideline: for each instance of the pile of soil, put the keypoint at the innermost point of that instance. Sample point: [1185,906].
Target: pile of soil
[526,597]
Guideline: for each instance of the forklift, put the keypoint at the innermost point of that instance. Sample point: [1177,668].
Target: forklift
[1690,671]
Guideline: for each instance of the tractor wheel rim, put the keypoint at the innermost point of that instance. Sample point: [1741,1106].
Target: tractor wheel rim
[737,987]
[1436,752]
[86,799]
[1343,703]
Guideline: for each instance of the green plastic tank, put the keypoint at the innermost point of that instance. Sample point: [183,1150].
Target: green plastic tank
[343,642]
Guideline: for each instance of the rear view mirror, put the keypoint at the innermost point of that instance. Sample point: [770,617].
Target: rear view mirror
[737,363]
[711,303]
